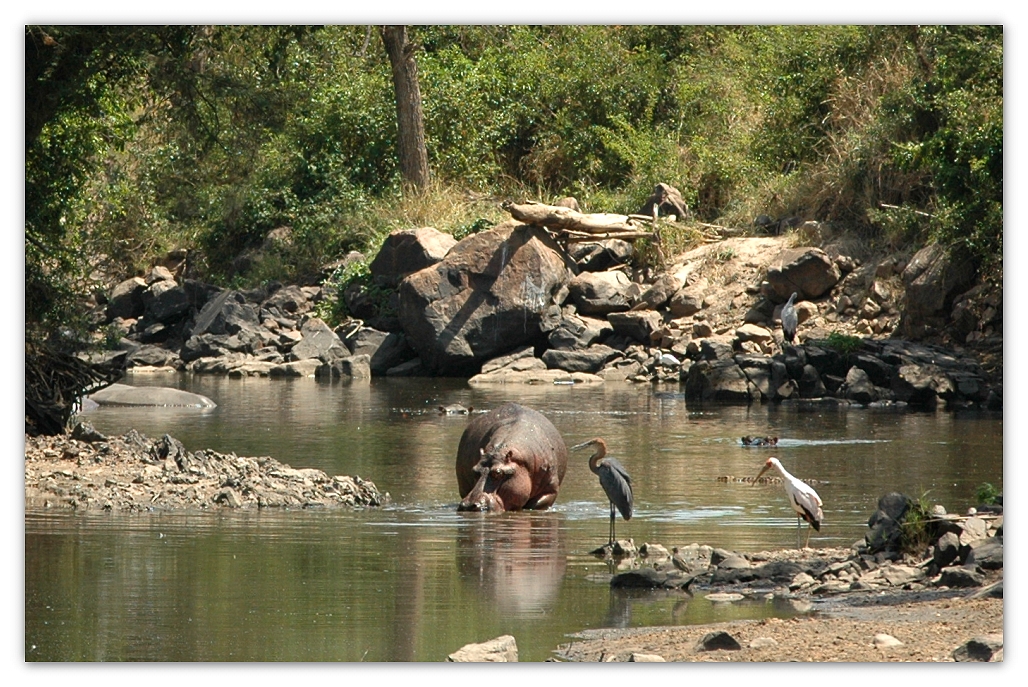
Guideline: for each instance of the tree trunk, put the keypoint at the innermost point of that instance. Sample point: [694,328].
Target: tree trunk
[410,122]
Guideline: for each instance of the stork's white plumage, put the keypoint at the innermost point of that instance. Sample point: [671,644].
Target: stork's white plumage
[802,497]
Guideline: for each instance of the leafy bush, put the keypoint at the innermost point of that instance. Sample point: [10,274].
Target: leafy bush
[986,494]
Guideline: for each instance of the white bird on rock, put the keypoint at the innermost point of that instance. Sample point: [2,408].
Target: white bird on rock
[802,497]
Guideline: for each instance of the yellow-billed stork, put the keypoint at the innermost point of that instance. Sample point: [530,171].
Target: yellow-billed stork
[802,497]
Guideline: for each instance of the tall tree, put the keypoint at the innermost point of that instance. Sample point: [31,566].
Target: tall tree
[409,117]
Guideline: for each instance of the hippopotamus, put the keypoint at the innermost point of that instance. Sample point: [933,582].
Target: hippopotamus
[511,458]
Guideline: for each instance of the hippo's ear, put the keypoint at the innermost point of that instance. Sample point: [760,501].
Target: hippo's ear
[509,456]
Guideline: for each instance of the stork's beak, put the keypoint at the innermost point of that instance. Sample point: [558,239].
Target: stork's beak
[762,471]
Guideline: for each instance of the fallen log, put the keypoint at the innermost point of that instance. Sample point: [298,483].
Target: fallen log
[566,219]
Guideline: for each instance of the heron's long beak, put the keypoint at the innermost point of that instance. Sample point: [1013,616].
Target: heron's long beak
[582,445]
[763,470]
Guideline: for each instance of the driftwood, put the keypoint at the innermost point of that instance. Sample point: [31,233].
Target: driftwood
[571,225]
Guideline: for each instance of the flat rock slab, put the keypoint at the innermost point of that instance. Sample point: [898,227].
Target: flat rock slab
[125,395]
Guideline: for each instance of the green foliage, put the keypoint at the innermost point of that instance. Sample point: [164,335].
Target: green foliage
[333,308]
[843,343]
[473,227]
[986,494]
[917,529]
[210,137]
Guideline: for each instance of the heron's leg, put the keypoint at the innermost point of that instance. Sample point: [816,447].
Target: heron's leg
[612,518]
[807,544]
[798,532]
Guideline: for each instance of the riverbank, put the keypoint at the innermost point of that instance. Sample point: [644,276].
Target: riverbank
[922,628]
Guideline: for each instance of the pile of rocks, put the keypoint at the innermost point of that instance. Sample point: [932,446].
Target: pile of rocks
[86,470]
[511,305]
[961,552]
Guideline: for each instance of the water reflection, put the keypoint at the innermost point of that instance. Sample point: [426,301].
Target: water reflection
[416,580]
[517,560]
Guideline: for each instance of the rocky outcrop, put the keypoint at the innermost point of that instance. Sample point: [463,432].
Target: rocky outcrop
[875,566]
[709,322]
[491,293]
[932,279]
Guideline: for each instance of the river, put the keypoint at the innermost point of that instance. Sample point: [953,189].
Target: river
[414,580]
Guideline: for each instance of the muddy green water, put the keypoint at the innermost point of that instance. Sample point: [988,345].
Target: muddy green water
[415,580]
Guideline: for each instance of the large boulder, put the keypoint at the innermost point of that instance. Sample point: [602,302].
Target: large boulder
[385,350]
[639,325]
[406,251]
[810,272]
[719,380]
[126,299]
[319,341]
[600,293]
[932,279]
[164,300]
[488,296]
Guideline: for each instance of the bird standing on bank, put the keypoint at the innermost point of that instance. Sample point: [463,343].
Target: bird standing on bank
[790,320]
[678,561]
[802,497]
[613,478]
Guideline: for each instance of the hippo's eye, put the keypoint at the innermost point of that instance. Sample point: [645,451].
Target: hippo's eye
[498,473]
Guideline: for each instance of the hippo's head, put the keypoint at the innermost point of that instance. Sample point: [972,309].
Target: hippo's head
[504,482]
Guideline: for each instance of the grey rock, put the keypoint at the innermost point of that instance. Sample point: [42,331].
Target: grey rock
[639,325]
[164,300]
[319,341]
[600,293]
[578,331]
[981,649]
[485,298]
[716,641]
[807,271]
[123,394]
[385,350]
[719,380]
[986,554]
[932,279]
[307,367]
[591,359]
[947,550]
[126,299]
[960,577]
[406,251]
[858,387]
[503,649]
